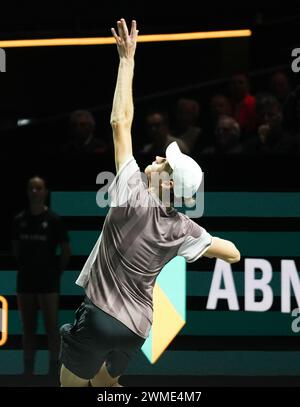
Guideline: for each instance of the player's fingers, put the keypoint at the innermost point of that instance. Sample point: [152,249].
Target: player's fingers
[133,30]
[120,28]
[124,27]
[113,31]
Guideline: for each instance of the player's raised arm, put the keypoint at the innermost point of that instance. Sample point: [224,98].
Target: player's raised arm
[122,110]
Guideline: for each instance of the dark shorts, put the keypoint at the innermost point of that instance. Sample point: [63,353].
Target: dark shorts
[95,337]
[39,283]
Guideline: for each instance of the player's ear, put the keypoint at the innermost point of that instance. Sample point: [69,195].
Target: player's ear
[189,202]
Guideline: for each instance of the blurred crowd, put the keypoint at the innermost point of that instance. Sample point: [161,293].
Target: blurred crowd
[234,121]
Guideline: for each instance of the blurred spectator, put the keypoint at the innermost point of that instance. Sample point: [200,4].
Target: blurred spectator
[227,137]
[83,139]
[280,86]
[219,106]
[37,231]
[186,122]
[157,125]
[292,112]
[243,104]
[271,137]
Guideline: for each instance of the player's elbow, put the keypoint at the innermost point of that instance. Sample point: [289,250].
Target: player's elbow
[120,122]
[117,123]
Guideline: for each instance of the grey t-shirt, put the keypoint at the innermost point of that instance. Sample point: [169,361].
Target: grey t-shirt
[138,238]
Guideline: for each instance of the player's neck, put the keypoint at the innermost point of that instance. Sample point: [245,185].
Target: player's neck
[168,206]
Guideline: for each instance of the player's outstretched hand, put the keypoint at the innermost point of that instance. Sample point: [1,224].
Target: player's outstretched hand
[126,42]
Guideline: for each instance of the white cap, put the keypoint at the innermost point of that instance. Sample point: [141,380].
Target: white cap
[187,174]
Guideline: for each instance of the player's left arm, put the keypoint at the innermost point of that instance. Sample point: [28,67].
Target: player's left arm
[223,249]
[122,110]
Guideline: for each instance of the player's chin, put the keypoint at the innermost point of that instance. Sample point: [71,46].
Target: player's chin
[148,170]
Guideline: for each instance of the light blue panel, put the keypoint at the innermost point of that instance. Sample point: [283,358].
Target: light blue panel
[147,347]
[172,280]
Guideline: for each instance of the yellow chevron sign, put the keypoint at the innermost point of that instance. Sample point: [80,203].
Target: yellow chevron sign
[169,308]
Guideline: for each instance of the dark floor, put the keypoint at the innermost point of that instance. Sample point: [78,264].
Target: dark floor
[167,381]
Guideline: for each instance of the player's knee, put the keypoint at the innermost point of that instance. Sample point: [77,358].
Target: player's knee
[103,378]
[69,379]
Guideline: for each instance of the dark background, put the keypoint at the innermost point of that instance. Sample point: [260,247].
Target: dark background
[46,84]
[51,80]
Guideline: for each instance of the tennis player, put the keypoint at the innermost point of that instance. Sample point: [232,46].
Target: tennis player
[142,232]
